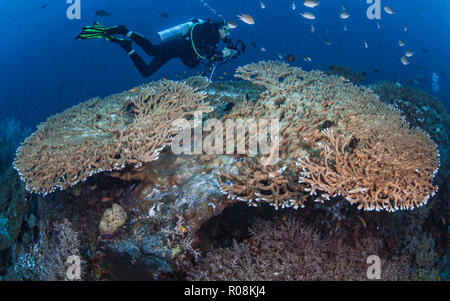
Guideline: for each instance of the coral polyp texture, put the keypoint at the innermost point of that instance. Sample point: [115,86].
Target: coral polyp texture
[338,139]
[125,129]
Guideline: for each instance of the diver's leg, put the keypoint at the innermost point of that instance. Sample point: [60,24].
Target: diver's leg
[121,29]
[147,70]
[144,43]
[139,39]
[125,44]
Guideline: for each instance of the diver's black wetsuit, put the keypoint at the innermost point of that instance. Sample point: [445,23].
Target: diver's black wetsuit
[205,36]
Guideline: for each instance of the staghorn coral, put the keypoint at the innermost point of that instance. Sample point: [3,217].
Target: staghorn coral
[403,161]
[386,170]
[286,249]
[46,260]
[261,183]
[105,134]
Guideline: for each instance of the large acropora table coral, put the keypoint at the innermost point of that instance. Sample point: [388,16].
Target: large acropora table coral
[337,139]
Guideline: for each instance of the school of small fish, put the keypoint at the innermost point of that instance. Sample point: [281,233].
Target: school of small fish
[344,14]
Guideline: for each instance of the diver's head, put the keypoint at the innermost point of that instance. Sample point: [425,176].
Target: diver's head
[223,29]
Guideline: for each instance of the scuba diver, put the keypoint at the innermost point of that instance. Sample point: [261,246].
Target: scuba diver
[192,42]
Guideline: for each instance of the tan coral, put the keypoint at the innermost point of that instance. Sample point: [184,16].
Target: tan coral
[390,166]
[105,134]
[257,183]
[383,172]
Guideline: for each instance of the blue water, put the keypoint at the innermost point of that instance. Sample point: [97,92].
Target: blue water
[44,70]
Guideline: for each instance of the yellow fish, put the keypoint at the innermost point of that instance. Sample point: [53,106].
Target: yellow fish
[134,89]
[246,19]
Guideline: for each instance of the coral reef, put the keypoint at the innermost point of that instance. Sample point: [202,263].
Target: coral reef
[13,203]
[387,170]
[364,130]
[286,249]
[46,260]
[338,141]
[346,72]
[420,110]
[129,128]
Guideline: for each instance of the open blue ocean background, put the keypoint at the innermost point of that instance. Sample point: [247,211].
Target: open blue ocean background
[44,70]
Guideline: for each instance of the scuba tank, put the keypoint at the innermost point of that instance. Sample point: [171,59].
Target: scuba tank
[178,31]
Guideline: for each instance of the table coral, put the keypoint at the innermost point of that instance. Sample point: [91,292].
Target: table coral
[381,162]
[129,128]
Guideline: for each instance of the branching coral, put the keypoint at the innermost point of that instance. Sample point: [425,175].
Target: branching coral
[371,157]
[286,249]
[382,172]
[105,134]
[262,183]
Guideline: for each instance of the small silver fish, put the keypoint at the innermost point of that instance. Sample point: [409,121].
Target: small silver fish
[263,5]
[308,15]
[311,3]
[389,10]
[409,53]
[344,15]
[404,61]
